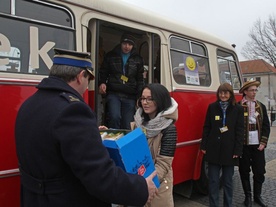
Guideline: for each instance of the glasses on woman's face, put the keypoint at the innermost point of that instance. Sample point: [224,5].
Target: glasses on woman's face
[224,93]
[253,90]
[148,100]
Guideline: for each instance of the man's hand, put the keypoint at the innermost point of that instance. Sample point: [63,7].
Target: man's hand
[102,89]
[151,186]
[102,127]
[261,147]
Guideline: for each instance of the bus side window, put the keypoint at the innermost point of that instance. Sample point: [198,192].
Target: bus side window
[14,60]
[30,50]
[189,62]
[228,71]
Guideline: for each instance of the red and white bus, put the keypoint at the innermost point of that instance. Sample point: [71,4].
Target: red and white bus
[190,63]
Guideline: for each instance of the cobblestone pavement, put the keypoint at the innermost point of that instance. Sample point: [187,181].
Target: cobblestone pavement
[268,190]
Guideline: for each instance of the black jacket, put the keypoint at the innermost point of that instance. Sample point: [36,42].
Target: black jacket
[112,70]
[220,147]
[61,155]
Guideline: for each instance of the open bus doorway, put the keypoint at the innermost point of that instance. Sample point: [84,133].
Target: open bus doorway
[107,37]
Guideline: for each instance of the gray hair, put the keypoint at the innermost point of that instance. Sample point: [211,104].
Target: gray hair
[66,72]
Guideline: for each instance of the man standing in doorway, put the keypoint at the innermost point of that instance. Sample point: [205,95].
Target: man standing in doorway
[256,133]
[121,79]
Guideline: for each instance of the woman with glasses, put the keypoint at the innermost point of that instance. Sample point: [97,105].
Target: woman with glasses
[156,116]
[222,142]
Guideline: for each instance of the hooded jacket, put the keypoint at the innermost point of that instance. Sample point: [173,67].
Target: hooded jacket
[162,136]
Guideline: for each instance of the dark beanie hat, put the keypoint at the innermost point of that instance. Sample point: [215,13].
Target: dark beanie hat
[126,37]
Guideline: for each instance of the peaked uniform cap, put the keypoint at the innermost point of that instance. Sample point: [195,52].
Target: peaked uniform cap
[73,58]
[248,84]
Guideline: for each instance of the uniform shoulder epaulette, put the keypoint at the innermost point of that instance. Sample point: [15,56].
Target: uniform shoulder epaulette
[69,97]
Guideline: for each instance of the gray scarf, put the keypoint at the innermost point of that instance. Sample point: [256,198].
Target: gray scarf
[153,126]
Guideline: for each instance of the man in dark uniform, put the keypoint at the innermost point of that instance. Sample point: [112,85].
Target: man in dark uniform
[256,134]
[62,160]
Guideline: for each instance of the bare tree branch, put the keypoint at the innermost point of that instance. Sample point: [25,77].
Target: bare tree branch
[262,44]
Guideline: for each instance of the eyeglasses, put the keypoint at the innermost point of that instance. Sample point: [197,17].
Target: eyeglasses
[253,90]
[148,100]
[224,93]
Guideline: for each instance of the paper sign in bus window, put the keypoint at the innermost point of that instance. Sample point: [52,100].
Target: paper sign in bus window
[191,70]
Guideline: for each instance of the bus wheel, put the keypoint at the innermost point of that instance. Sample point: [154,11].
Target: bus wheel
[201,185]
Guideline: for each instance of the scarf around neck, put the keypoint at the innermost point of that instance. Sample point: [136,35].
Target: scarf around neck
[154,126]
[224,105]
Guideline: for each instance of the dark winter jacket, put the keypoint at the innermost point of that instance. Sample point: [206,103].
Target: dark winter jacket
[112,70]
[220,147]
[62,159]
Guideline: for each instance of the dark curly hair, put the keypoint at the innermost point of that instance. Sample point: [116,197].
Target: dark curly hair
[160,96]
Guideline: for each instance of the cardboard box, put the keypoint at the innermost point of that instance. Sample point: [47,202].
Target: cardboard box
[131,153]
[113,134]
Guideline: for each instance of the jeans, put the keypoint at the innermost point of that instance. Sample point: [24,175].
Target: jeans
[214,183]
[120,111]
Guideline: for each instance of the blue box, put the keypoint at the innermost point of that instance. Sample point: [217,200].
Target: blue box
[131,153]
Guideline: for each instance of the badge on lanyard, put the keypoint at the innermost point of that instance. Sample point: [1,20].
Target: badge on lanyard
[217,118]
[245,113]
[223,129]
[124,78]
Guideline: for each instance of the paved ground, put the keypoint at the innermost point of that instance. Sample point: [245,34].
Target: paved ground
[269,187]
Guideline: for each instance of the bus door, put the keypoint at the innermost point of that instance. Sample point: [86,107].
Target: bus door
[103,36]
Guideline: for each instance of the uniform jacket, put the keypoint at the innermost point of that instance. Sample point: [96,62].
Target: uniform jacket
[262,123]
[220,147]
[61,155]
[112,70]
